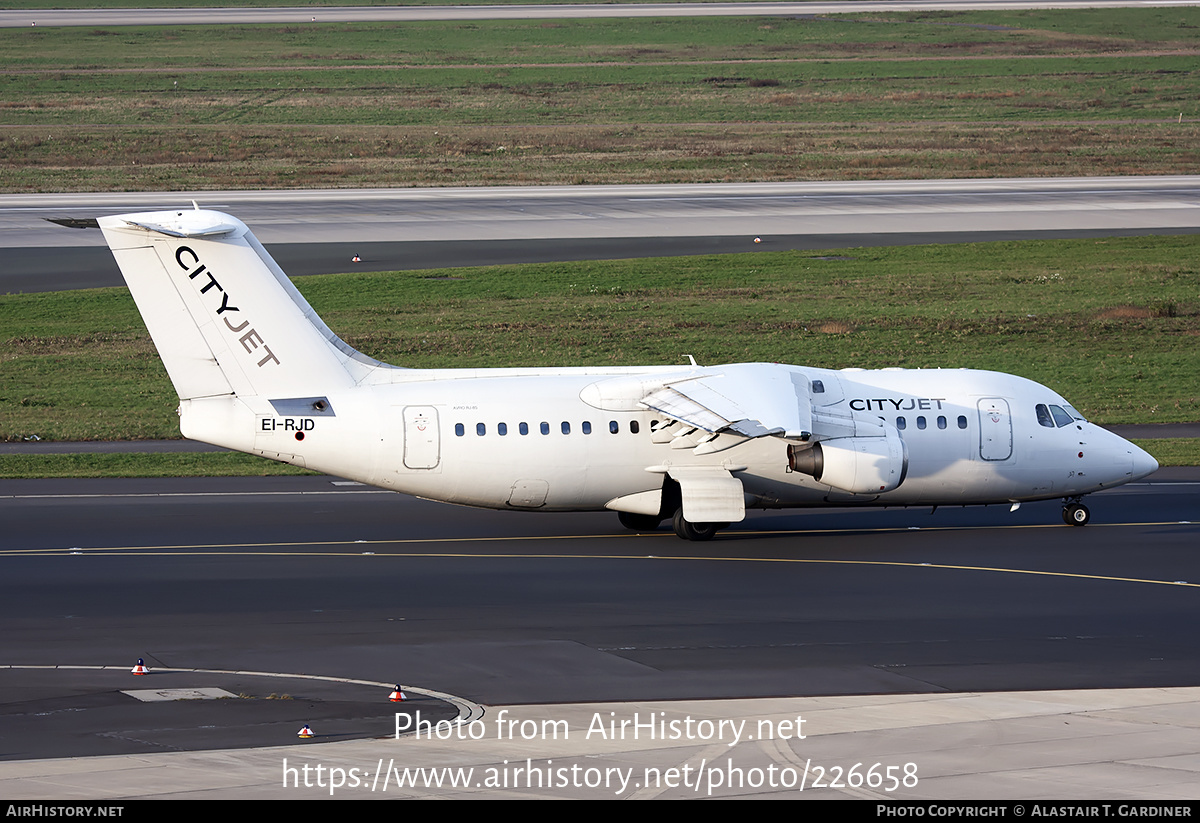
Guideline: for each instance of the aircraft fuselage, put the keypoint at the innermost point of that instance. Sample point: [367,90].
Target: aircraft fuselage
[525,439]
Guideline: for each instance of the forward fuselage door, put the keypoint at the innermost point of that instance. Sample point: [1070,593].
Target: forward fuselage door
[995,429]
[422,444]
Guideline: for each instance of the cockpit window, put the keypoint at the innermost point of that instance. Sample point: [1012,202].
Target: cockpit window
[1074,412]
[1043,416]
[1061,418]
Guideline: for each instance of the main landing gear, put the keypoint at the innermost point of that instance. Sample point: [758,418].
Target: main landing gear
[1074,513]
[672,501]
[693,531]
[684,528]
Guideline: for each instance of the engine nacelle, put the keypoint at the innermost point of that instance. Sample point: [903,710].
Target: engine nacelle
[860,465]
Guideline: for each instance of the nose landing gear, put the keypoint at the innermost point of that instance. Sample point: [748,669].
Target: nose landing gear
[1074,513]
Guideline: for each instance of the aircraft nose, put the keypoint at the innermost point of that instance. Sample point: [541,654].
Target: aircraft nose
[1143,463]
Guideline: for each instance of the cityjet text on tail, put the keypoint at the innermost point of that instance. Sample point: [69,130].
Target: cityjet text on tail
[256,370]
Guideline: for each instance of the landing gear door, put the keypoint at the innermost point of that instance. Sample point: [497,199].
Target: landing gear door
[995,429]
[710,494]
[422,445]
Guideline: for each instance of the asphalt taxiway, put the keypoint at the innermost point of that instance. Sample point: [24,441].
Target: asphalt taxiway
[291,574]
[310,576]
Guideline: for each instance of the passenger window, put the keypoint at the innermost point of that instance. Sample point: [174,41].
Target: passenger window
[901,423]
[941,422]
[566,427]
[633,427]
[501,429]
[818,387]
[459,429]
[613,427]
[1060,416]
[921,422]
[962,421]
[523,428]
[545,428]
[480,429]
[587,427]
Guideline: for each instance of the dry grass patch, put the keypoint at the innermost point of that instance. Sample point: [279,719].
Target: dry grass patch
[1126,313]
[833,327]
[83,158]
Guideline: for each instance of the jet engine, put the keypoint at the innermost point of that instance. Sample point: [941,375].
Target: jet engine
[860,465]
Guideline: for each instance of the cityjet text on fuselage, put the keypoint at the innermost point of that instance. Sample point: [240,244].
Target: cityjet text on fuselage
[897,403]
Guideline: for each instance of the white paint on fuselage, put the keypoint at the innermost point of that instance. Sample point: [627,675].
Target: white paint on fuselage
[583,471]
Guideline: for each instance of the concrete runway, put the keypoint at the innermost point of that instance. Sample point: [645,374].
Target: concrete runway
[364,14]
[319,232]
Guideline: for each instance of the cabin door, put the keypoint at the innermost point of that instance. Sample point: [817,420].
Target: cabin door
[995,429]
[422,446]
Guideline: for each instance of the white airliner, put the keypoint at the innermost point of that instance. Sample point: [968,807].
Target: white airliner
[257,371]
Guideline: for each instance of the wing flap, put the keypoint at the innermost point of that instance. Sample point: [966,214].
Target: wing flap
[750,399]
[677,405]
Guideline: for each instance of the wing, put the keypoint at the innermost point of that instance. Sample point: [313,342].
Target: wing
[856,454]
[750,399]
[747,400]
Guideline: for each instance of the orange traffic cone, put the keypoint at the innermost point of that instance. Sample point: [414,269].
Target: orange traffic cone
[305,733]
[140,668]
[397,696]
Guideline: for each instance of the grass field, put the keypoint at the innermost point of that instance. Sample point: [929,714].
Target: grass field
[660,100]
[1111,324]
[201,464]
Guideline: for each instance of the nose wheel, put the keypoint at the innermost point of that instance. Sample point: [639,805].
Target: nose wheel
[1075,513]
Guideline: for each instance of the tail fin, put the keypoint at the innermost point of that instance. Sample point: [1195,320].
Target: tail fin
[225,318]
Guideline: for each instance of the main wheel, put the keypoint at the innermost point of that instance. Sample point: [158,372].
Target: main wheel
[639,522]
[1076,514]
[693,531]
